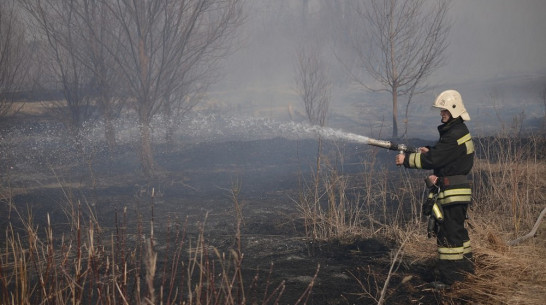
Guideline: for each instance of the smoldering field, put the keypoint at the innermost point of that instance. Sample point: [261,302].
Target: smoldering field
[229,216]
[47,180]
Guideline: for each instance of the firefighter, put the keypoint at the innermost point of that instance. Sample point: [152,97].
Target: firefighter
[451,160]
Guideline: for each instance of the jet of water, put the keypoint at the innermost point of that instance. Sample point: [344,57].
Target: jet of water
[325,132]
[215,127]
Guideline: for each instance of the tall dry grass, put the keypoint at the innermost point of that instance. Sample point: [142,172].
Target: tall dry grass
[509,187]
[509,180]
[328,210]
[91,264]
[348,206]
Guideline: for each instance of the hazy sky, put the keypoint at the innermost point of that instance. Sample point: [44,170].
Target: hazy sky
[488,39]
[496,37]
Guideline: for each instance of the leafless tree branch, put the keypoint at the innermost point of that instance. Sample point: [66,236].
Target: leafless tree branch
[400,43]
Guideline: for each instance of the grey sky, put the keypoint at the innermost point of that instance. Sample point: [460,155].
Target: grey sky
[489,38]
[496,38]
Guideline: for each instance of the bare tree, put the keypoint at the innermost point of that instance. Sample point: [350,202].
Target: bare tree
[75,35]
[93,22]
[54,20]
[161,40]
[314,89]
[313,85]
[181,101]
[13,56]
[400,44]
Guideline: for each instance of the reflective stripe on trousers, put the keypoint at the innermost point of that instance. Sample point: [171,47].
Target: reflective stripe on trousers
[456,253]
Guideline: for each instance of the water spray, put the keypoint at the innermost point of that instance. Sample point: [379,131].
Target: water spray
[330,133]
[222,127]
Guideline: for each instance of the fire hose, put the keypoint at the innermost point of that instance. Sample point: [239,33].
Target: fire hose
[402,148]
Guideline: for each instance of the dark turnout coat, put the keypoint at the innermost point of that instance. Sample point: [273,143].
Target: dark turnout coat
[451,159]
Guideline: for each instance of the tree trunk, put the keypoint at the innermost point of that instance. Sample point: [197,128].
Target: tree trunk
[394,112]
[169,133]
[146,156]
[169,123]
[109,132]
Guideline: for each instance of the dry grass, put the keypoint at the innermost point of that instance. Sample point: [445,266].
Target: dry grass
[338,206]
[509,181]
[328,213]
[504,275]
[88,265]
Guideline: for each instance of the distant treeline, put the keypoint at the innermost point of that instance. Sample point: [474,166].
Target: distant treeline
[41,95]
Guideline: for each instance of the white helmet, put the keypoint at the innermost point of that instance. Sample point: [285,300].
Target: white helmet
[452,101]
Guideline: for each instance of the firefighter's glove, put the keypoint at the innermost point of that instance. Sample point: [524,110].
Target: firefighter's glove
[430,182]
[427,206]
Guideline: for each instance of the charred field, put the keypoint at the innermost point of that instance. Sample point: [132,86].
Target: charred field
[195,188]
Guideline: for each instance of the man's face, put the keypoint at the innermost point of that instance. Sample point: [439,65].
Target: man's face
[445,116]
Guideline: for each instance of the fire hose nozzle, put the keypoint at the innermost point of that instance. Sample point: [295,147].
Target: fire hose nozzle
[401,148]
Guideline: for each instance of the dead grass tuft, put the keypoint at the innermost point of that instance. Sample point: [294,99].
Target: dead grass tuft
[420,248]
[496,243]
[504,274]
[514,277]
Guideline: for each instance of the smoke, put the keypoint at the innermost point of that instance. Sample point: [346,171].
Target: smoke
[495,38]
[489,39]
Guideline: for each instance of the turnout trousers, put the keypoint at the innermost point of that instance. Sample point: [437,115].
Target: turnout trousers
[454,250]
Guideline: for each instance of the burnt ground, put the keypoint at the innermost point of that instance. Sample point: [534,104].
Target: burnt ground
[194,183]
